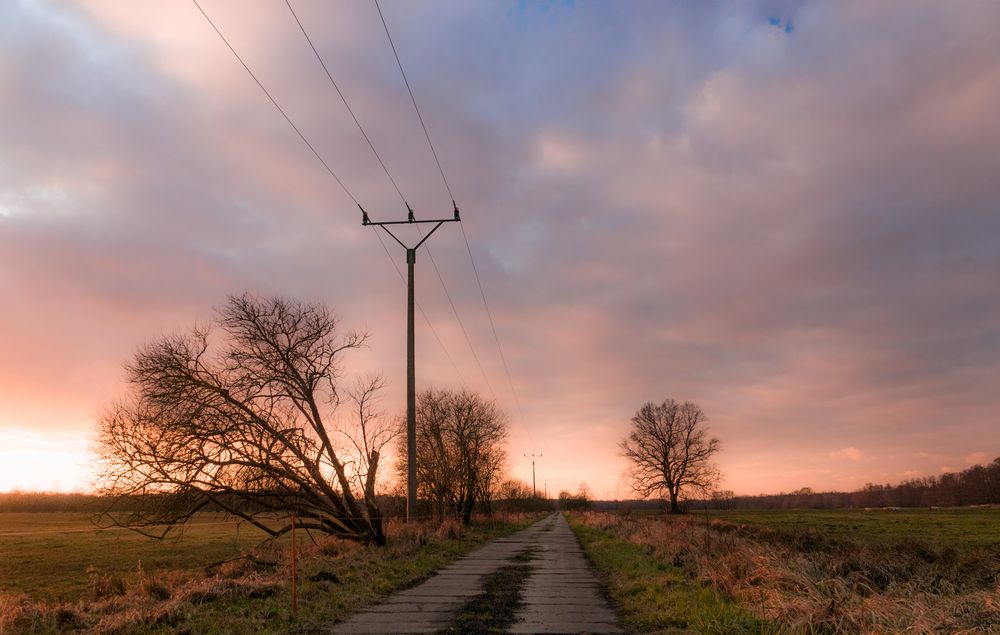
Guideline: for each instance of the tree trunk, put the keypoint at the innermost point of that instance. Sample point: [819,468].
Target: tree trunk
[674,507]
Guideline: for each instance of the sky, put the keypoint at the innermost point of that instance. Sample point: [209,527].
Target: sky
[785,212]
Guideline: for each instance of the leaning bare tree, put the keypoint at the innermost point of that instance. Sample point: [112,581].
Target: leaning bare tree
[669,451]
[242,423]
[460,454]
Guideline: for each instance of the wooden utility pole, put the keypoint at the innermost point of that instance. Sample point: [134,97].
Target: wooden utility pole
[411,381]
[295,566]
[534,492]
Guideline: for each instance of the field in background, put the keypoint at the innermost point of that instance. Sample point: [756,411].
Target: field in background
[838,571]
[953,525]
[48,555]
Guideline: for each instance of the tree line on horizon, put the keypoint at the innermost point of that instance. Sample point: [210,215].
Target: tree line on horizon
[976,485]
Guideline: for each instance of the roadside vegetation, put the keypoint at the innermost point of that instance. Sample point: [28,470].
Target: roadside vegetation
[651,592]
[725,577]
[137,585]
[955,526]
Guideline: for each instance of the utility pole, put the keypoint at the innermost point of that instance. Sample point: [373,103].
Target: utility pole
[534,492]
[411,381]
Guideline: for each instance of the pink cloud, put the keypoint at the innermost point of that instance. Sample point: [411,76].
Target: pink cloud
[851,454]
[794,231]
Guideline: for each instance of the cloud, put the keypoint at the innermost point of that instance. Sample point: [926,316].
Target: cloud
[798,233]
[851,454]
[976,458]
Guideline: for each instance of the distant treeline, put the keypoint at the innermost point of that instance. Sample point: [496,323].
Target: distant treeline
[90,503]
[978,485]
[50,502]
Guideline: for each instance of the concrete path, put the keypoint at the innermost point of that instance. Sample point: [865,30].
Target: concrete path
[561,595]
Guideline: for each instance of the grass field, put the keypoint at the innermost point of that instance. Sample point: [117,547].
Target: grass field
[59,575]
[956,526]
[840,571]
[48,555]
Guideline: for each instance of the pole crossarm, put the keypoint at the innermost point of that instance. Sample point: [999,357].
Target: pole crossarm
[437,222]
[410,222]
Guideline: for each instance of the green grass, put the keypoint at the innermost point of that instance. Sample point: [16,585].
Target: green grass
[494,610]
[46,555]
[335,578]
[655,597]
[363,577]
[957,526]
[807,571]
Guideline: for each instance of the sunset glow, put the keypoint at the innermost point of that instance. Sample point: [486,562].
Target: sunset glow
[786,212]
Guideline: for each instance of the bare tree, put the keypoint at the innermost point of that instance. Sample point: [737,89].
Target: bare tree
[243,426]
[460,455]
[367,433]
[515,491]
[581,501]
[669,451]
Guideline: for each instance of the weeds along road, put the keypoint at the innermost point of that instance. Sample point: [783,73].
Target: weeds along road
[534,581]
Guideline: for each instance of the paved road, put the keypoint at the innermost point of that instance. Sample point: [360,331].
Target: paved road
[560,596]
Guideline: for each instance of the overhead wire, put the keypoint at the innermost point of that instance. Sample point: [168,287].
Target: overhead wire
[385,169]
[276,105]
[414,101]
[475,269]
[421,309]
[325,164]
[493,326]
[461,324]
[344,99]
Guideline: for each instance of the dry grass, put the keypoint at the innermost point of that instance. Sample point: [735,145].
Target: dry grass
[119,606]
[805,582]
[252,594]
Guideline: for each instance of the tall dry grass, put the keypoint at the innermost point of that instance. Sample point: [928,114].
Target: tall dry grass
[143,601]
[806,582]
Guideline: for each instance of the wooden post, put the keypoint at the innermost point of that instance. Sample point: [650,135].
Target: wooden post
[411,396]
[295,597]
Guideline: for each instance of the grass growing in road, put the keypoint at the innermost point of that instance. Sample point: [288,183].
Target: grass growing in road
[654,596]
[336,578]
[494,610]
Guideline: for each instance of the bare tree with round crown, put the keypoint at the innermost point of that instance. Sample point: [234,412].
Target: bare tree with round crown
[669,452]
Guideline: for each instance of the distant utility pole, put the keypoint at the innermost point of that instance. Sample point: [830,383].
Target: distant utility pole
[411,382]
[533,456]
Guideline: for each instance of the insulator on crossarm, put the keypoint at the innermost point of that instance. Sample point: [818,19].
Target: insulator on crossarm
[364,216]
[409,213]
[455,205]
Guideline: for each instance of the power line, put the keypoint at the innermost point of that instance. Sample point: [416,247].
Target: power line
[325,164]
[344,99]
[280,109]
[385,169]
[413,99]
[475,269]
[454,310]
[421,309]
[489,314]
